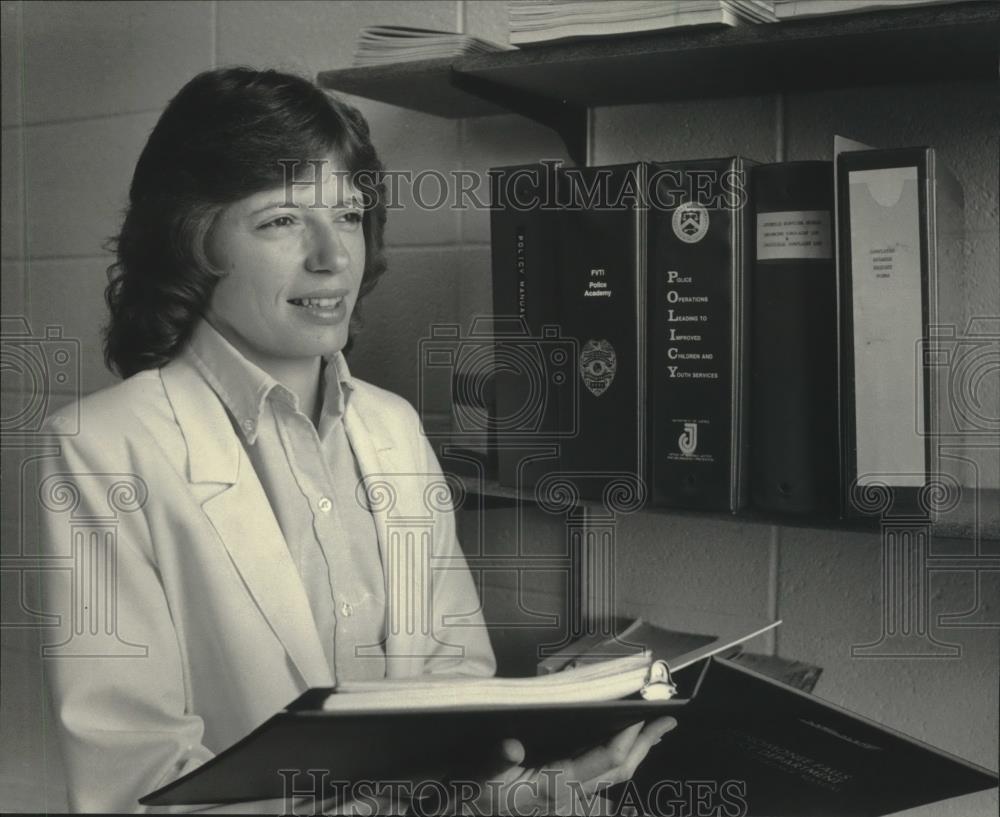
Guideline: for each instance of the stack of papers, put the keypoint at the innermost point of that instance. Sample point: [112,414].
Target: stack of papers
[600,681]
[785,9]
[378,45]
[545,21]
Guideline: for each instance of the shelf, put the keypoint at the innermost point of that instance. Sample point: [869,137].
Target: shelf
[424,85]
[952,536]
[556,84]
[904,45]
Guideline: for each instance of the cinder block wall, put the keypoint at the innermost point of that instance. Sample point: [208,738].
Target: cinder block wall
[84,83]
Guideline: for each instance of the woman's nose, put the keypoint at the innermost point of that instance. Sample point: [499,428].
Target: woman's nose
[326,252]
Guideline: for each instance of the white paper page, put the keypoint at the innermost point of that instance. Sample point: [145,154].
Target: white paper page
[887,296]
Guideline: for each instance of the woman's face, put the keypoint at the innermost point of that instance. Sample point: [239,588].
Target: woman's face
[292,269]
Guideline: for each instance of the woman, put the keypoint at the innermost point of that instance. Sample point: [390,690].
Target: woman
[272,490]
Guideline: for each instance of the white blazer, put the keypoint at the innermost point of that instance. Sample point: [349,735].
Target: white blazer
[208,631]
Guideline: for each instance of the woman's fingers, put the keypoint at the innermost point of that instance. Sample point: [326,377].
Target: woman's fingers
[512,751]
[648,737]
[502,765]
[569,785]
[602,759]
[654,730]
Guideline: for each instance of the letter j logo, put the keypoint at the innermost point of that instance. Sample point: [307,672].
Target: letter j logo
[688,441]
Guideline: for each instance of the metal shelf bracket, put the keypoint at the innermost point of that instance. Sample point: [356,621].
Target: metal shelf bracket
[566,119]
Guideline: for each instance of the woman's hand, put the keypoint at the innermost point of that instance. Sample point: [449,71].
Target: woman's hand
[568,786]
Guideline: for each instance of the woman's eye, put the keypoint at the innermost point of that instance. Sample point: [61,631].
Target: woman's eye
[352,218]
[280,221]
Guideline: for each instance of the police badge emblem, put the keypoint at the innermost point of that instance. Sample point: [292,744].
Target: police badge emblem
[598,364]
[690,222]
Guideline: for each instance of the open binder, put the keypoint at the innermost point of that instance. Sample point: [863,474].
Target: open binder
[792,753]
[423,728]
[420,728]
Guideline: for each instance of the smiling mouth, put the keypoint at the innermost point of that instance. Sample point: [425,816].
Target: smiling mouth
[317,303]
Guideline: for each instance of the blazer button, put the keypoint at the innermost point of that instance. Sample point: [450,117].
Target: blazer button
[325,505]
[346,610]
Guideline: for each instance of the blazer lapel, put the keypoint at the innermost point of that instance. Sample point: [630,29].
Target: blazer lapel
[374,452]
[389,487]
[245,523]
[242,516]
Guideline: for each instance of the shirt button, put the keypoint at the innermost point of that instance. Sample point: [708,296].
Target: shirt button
[248,426]
[325,504]
[346,610]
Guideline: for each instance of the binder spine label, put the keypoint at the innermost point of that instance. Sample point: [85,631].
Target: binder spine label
[794,235]
[689,357]
[601,268]
[521,268]
[695,335]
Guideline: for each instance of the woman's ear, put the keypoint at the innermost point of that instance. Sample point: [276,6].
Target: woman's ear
[207,253]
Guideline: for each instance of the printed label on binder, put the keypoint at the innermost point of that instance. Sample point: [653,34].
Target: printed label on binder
[688,441]
[794,235]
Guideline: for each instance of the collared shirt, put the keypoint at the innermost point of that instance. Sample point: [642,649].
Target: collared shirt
[311,478]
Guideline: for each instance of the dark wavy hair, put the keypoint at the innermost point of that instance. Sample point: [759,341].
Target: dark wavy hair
[221,139]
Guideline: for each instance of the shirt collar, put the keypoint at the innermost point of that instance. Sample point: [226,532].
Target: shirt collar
[244,387]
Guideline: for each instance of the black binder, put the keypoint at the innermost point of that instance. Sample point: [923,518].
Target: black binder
[698,301]
[602,309]
[794,753]
[793,438]
[533,362]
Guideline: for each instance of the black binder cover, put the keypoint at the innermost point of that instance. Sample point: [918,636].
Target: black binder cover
[698,233]
[396,745]
[533,364]
[602,264]
[772,751]
[793,438]
[793,753]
